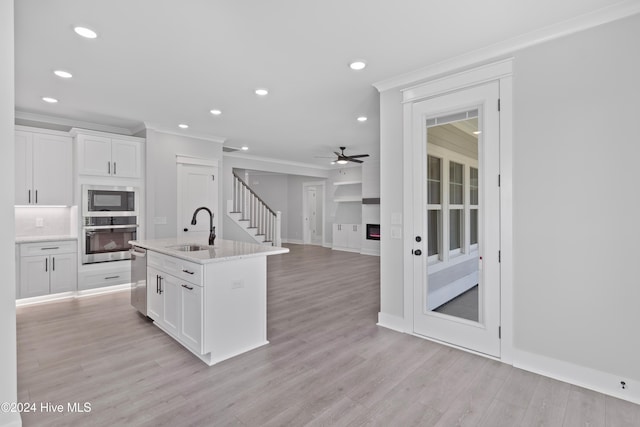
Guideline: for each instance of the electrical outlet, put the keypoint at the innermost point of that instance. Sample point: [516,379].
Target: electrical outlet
[237,284]
[39,222]
[623,385]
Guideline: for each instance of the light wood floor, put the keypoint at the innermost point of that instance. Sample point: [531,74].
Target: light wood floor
[327,364]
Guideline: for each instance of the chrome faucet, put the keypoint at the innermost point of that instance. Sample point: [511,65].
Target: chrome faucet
[212,229]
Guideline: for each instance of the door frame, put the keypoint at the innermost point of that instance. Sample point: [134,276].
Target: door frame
[181,162]
[306,185]
[500,71]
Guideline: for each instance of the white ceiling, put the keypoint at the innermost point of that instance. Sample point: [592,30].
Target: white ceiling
[163,62]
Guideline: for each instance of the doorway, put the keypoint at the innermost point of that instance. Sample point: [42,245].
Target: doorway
[313,213]
[456,218]
[197,186]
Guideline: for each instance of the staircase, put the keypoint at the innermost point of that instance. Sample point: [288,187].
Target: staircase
[250,212]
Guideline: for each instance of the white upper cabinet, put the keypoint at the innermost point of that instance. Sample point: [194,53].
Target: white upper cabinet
[103,155]
[43,169]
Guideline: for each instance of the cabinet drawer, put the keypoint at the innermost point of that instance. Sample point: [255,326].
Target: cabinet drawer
[48,248]
[99,279]
[183,269]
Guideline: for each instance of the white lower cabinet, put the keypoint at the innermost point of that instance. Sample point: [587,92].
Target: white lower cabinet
[47,268]
[175,304]
[347,237]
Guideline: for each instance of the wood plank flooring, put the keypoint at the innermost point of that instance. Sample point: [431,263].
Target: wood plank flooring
[327,364]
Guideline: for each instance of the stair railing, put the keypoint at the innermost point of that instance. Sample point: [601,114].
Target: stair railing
[256,211]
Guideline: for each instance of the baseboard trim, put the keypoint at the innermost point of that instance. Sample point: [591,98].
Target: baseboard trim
[390,321]
[293,241]
[602,382]
[372,252]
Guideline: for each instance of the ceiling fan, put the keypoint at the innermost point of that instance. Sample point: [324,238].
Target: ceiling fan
[343,159]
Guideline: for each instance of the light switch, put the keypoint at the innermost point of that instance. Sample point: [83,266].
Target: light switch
[237,284]
[396,232]
[39,222]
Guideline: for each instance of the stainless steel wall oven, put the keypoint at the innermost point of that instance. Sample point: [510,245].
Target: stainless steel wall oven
[109,222]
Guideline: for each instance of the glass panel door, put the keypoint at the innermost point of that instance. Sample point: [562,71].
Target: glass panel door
[456,209]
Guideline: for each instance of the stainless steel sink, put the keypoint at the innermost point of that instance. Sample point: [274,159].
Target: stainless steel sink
[189,248]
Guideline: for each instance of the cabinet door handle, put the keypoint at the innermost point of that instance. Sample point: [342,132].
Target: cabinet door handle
[109,168]
[114,168]
[184,270]
[50,248]
[36,196]
[157,284]
[29,196]
[187,287]
[161,278]
[111,277]
[53,263]
[46,264]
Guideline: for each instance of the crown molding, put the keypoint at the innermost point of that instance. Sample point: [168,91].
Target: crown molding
[71,123]
[508,47]
[185,133]
[272,160]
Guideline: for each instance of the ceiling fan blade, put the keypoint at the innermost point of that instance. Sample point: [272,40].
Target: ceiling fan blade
[323,157]
[337,154]
[358,155]
[354,160]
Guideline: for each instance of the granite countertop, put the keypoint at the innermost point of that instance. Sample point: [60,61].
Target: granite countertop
[35,239]
[223,250]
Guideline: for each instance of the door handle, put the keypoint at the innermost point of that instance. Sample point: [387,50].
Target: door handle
[417,252]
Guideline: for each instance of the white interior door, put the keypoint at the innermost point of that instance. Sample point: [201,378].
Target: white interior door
[457,218]
[197,187]
[311,215]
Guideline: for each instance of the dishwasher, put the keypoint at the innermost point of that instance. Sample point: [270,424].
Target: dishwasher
[139,279]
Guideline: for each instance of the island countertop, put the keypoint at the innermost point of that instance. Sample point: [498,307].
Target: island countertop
[223,250]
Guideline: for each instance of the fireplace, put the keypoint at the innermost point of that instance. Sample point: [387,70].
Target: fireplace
[373,231]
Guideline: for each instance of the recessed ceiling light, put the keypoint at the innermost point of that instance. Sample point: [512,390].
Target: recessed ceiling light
[216,112]
[49,100]
[244,148]
[358,65]
[63,74]
[85,32]
[362,119]
[183,126]
[262,92]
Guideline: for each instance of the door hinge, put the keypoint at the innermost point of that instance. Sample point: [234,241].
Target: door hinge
[499,256]
[499,332]
[498,104]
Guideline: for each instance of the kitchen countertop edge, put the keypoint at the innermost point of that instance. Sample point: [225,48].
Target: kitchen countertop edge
[223,250]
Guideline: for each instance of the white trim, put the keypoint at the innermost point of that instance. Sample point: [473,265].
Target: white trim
[508,47]
[293,241]
[506,206]
[371,252]
[602,382]
[11,419]
[61,121]
[185,133]
[79,131]
[198,161]
[42,130]
[464,79]
[277,161]
[392,322]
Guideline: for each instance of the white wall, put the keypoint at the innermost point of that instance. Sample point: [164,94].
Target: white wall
[576,199]
[161,177]
[576,202]
[8,382]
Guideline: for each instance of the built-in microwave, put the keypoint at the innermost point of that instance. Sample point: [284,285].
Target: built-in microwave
[101,200]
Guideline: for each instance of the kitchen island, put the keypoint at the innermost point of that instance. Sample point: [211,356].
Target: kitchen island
[211,299]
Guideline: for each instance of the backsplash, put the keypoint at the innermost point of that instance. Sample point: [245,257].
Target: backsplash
[44,221]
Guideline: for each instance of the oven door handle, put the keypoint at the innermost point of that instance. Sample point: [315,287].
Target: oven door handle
[108,227]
